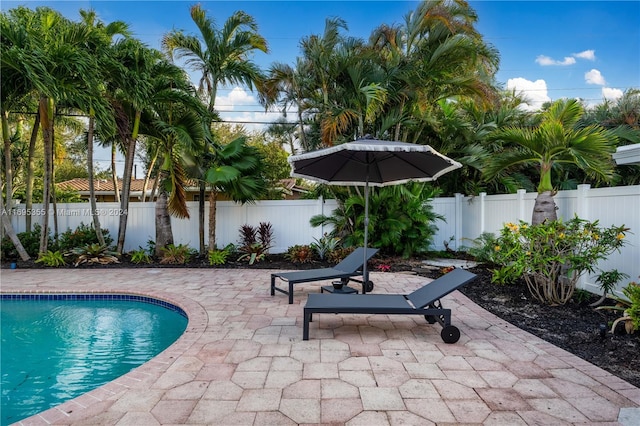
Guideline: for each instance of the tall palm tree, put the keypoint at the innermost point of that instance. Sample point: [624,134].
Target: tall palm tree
[175,128]
[134,66]
[435,54]
[102,37]
[69,78]
[286,86]
[556,141]
[222,56]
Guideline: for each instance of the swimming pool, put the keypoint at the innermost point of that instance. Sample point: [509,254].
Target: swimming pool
[56,347]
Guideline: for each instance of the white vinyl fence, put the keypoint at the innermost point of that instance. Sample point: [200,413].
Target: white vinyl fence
[466,218]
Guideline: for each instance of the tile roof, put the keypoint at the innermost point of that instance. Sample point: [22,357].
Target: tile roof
[82,184]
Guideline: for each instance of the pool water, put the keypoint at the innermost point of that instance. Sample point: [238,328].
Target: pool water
[56,350]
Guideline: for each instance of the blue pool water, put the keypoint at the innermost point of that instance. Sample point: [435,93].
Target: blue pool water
[56,350]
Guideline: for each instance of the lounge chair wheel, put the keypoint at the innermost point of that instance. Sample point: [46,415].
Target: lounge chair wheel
[369,286]
[431,319]
[450,334]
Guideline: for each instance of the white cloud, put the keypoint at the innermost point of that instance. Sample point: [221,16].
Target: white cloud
[534,92]
[546,61]
[236,97]
[589,55]
[611,94]
[594,77]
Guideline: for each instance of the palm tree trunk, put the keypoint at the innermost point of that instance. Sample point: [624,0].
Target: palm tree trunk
[201,194]
[164,233]
[147,177]
[114,173]
[126,182]
[6,138]
[544,208]
[92,189]
[10,232]
[52,181]
[46,110]
[31,169]
[213,207]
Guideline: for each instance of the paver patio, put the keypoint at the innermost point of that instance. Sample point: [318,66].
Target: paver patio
[242,361]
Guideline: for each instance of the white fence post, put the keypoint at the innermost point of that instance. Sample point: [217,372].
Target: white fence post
[521,206]
[582,202]
[483,208]
[458,218]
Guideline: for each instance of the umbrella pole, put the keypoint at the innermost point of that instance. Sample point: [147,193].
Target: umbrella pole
[365,275]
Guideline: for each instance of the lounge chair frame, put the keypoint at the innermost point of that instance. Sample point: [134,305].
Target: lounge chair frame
[349,267]
[424,301]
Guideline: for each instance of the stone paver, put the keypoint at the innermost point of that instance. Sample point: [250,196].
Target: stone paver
[243,361]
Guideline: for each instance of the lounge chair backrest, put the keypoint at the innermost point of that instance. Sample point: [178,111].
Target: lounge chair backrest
[440,287]
[355,260]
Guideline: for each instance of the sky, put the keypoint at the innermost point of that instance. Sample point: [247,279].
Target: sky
[548,49]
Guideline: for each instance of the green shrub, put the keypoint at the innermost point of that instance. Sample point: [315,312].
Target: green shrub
[337,255]
[300,254]
[94,254]
[218,257]
[30,241]
[82,236]
[629,306]
[483,248]
[255,242]
[140,256]
[401,219]
[325,245]
[52,258]
[552,256]
[176,255]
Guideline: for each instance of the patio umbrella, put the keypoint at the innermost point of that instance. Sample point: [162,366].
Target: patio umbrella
[371,162]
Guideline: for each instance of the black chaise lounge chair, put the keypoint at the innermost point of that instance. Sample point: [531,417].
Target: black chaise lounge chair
[424,301]
[350,266]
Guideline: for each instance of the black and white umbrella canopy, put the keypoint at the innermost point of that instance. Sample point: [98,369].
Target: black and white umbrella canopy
[372,162]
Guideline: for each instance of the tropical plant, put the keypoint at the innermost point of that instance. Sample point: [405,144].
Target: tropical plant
[218,257]
[337,255]
[552,256]
[608,281]
[483,249]
[300,253]
[222,56]
[176,255]
[140,256]
[96,253]
[255,242]
[629,306]
[83,235]
[235,169]
[30,241]
[51,258]
[401,219]
[325,245]
[558,140]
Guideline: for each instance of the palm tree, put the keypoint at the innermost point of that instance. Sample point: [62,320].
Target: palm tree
[175,125]
[129,87]
[221,55]
[68,76]
[286,86]
[102,37]
[556,141]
